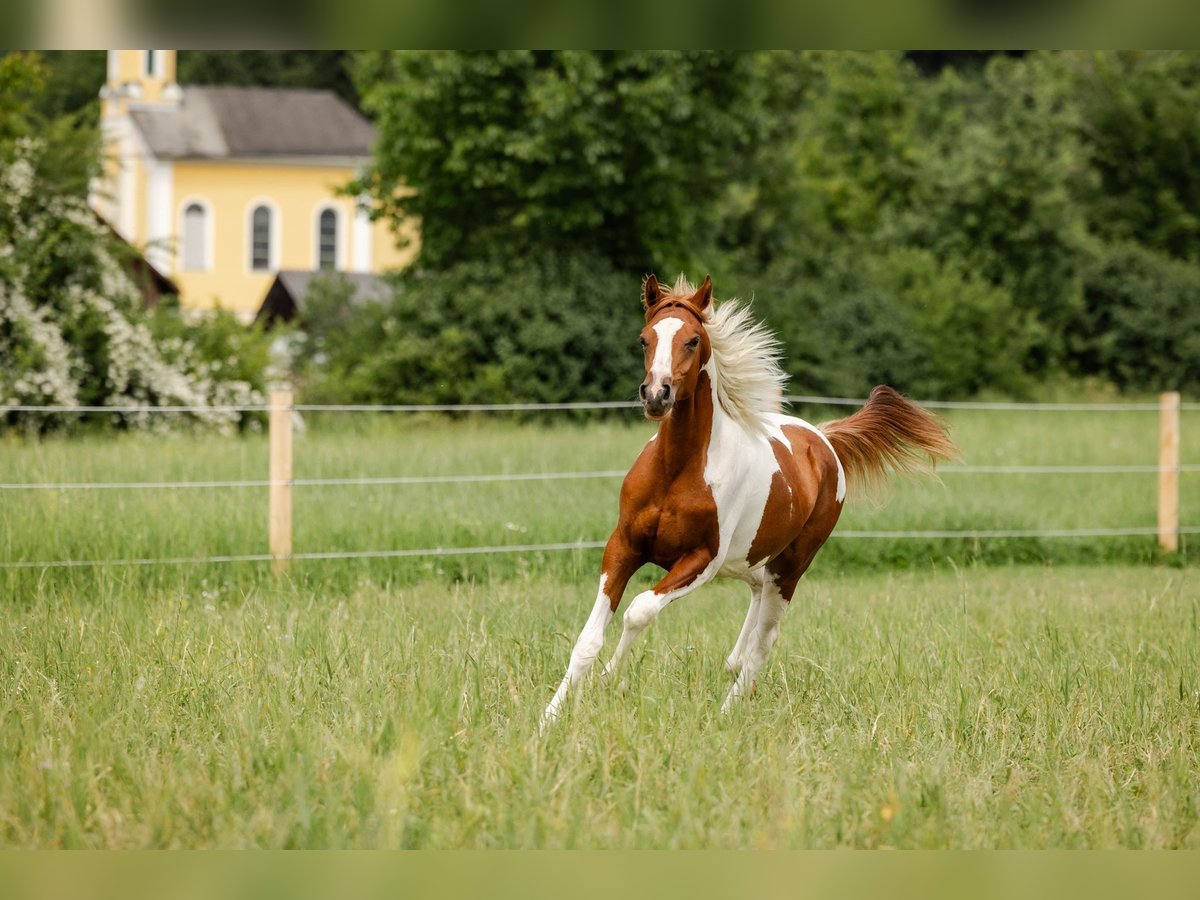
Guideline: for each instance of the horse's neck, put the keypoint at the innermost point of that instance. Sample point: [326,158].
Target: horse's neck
[684,436]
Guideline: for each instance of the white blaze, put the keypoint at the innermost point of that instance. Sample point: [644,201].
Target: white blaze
[660,368]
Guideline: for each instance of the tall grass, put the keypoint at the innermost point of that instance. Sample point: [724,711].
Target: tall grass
[986,707]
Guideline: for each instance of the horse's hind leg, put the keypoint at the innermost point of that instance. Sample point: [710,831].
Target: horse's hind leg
[733,663]
[771,607]
[779,584]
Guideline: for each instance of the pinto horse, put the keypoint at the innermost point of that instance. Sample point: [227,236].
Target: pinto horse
[729,486]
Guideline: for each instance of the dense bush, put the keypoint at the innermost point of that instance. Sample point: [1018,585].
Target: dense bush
[1135,116]
[900,318]
[1141,322]
[548,329]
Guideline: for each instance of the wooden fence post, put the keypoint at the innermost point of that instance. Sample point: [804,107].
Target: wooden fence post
[280,513]
[1168,471]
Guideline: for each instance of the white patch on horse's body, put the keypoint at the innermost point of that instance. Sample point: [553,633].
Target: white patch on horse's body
[740,468]
[791,420]
[660,368]
[738,471]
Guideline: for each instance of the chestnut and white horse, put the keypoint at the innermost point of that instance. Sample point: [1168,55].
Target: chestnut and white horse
[730,486]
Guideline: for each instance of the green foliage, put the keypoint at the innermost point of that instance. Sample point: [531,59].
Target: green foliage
[1141,323]
[320,69]
[518,153]
[73,80]
[900,318]
[996,194]
[551,329]
[1136,119]
[216,341]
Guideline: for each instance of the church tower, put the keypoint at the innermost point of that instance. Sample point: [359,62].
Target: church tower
[139,77]
[136,79]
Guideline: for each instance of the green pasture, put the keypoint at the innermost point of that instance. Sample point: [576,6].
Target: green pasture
[1024,693]
[989,707]
[172,523]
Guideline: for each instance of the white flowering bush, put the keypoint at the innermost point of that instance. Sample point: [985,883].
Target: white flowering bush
[72,331]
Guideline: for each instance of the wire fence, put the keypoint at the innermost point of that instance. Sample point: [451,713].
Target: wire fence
[503,477]
[789,399]
[286,484]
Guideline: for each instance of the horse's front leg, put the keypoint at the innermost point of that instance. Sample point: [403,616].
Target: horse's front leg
[685,576]
[618,566]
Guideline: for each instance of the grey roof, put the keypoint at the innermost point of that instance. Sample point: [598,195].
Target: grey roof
[219,122]
[289,290]
[367,287]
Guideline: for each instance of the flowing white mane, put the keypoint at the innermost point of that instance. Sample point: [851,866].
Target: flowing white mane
[749,379]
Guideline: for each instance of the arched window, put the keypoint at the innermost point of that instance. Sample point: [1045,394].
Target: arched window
[195,238]
[327,239]
[261,225]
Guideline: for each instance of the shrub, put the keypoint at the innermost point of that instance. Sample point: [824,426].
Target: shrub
[71,330]
[559,328]
[1141,322]
[901,318]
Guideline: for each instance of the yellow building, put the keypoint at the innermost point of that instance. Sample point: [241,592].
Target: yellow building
[222,187]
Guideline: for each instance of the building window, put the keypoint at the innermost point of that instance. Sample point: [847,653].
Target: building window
[327,239]
[195,238]
[151,63]
[260,238]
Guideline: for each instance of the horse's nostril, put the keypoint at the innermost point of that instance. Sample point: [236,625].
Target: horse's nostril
[642,391]
[666,392]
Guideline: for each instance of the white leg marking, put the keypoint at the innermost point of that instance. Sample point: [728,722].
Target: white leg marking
[733,664]
[642,611]
[587,648]
[762,639]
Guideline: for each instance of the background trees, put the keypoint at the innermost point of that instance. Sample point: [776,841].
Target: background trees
[952,224]
[952,229]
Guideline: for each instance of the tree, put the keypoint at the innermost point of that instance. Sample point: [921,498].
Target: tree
[520,153]
[1136,120]
[321,69]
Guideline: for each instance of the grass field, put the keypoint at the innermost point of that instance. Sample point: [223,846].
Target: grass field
[917,697]
[1005,707]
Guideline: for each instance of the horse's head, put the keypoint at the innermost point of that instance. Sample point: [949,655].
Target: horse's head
[675,344]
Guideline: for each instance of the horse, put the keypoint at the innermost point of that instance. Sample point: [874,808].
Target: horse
[729,486]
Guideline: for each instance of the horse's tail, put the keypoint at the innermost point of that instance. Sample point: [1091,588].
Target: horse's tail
[889,434]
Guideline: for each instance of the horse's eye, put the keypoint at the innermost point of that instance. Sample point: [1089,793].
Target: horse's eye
[642,341]
[693,343]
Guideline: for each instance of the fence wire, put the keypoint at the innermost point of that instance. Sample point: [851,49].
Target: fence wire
[795,399]
[567,546]
[790,399]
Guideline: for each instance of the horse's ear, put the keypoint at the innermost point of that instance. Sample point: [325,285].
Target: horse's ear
[650,292]
[703,296]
